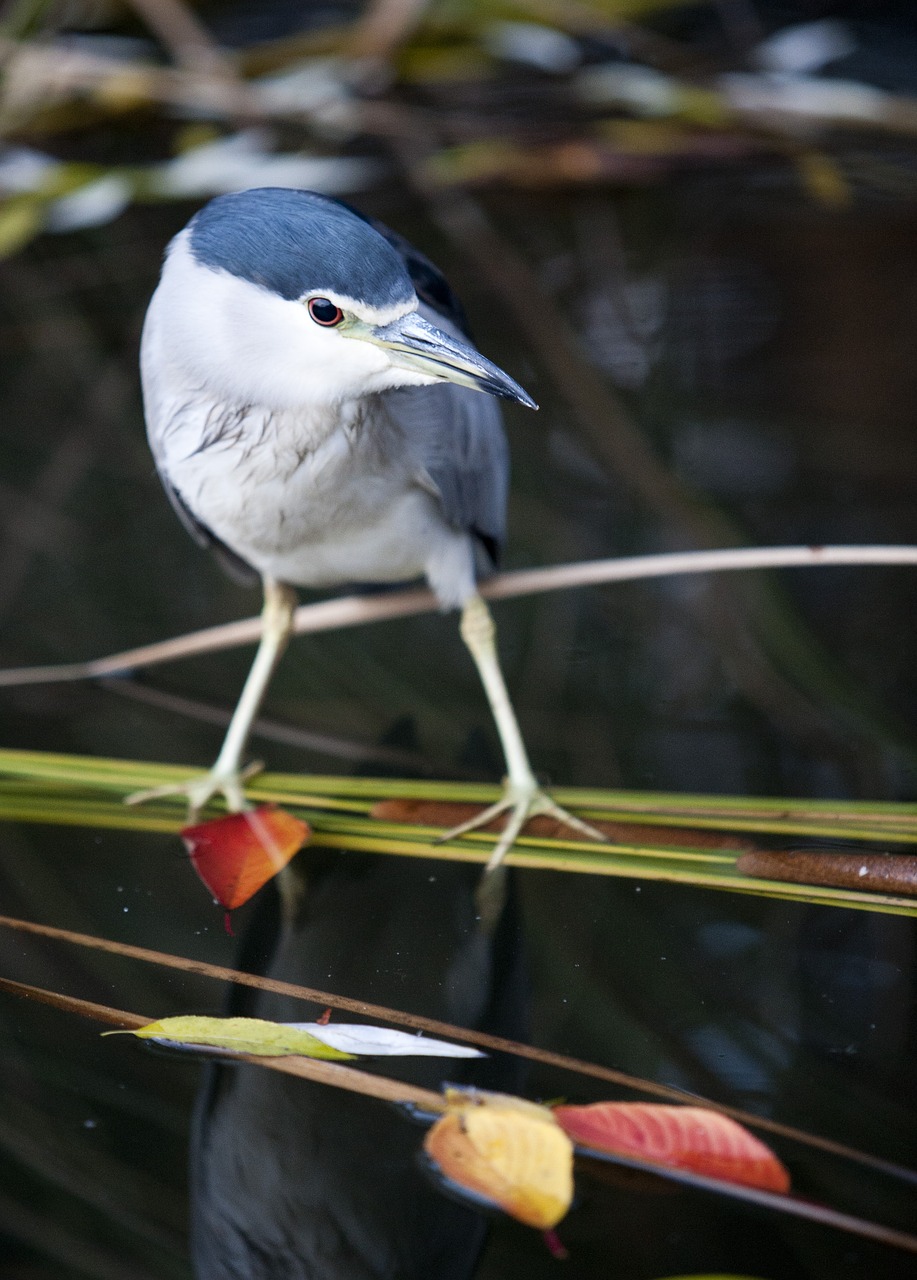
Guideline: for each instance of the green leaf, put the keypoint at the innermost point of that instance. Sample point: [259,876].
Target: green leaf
[238,1035]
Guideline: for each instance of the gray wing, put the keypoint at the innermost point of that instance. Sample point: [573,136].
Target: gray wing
[463,453]
[232,563]
[458,440]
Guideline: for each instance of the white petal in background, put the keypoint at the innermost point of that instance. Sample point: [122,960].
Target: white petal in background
[533,45]
[93,205]
[244,160]
[805,48]
[23,169]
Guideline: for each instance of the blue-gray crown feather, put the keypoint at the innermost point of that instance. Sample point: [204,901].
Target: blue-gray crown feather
[297,242]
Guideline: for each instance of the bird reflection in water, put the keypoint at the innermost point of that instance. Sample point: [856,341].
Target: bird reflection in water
[292,1179]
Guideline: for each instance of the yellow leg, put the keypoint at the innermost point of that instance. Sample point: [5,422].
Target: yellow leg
[522,796]
[227,776]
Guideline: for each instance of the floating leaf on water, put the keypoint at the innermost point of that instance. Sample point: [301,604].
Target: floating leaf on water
[384,1042]
[460,1096]
[239,1035]
[237,854]
[512,1156]
[311,1039]
[693,1138]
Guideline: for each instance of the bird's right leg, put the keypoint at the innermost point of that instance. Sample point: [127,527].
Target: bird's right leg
[522,798]
[227,777]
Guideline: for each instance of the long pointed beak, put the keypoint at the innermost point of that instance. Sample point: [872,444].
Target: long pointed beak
[422,348]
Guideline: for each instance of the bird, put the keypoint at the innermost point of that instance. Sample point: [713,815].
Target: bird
[313,405]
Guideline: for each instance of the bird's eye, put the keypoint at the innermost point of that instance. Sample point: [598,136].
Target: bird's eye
[324,312]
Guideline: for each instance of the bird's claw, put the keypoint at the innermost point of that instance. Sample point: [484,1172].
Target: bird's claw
[200,790]
[521,801]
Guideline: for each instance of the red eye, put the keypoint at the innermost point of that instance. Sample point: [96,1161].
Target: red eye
[324,312]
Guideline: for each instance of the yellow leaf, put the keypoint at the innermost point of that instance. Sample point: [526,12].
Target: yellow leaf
[460,1099]
[240,1035]
[515,1156]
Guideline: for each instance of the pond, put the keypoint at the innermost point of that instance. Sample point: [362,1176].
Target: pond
[763,346]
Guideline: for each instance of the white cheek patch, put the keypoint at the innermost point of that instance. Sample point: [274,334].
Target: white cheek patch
[247,345]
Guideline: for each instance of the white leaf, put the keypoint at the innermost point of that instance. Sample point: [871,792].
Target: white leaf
[383,1042]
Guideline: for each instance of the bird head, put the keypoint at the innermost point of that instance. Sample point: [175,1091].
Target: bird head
[288,298]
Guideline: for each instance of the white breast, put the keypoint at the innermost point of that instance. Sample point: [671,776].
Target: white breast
[315,499]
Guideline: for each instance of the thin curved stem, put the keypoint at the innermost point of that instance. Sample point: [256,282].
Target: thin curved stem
[356,610]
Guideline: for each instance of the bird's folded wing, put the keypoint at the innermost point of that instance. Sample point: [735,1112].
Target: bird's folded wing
[457,437]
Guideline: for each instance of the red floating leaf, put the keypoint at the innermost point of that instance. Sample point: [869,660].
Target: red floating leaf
[236,855]
[691,1138]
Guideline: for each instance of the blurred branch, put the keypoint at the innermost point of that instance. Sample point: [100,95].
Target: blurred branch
[39,77]
[351,611]
[289,735]
[748,106]
[182,33]
[383,27]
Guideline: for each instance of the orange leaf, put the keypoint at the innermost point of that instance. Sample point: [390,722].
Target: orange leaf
[507,1155]
[236,855]
[692,1138]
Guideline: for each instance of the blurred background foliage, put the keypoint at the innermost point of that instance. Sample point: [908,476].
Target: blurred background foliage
[689,230]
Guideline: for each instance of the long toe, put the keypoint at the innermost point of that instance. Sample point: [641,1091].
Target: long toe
[544,804]
[200,790]
[520,803]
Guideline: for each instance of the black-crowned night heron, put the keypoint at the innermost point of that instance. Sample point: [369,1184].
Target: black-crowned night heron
[310,423]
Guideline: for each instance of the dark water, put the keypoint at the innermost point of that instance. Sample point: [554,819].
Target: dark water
[765,348]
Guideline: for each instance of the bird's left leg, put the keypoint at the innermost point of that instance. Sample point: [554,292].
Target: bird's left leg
[522,796]
[227,777]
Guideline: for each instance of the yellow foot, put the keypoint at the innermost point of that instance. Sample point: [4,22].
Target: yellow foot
[521,801]
[199,791]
